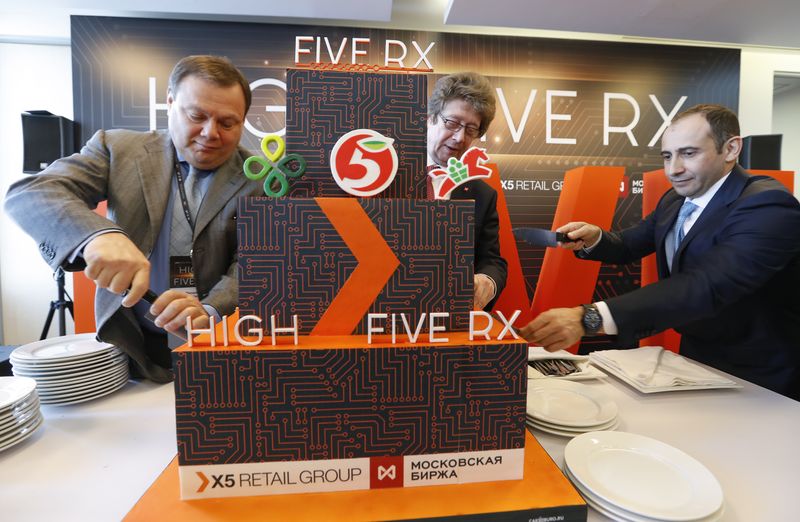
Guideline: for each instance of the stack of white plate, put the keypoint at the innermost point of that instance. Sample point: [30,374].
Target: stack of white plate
[631,477]
[72,368]
[569,408]
[19,410]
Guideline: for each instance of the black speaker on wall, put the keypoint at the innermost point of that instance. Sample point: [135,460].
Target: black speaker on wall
[761,152]
[46,138]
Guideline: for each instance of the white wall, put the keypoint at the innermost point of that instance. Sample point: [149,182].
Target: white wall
[759,67]
[33,77]
[786,121]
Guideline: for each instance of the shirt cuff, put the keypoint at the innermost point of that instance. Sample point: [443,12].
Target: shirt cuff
[78,252]
[609,326]
[589,248]
[212,312]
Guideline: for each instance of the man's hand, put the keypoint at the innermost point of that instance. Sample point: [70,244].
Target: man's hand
[115,263]
[555,329]
[484,290]
[582,234]
[173,307]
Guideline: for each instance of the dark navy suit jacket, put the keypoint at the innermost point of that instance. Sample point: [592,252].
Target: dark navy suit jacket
[487,233]
[734,289]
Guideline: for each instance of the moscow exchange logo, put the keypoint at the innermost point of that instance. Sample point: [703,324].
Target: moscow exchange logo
[386,472]
[364,162]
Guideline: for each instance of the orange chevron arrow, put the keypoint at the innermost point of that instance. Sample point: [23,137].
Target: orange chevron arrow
[204,479]
[376,264]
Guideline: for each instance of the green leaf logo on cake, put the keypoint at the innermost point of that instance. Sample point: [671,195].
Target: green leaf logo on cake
[364,162]
[277,166]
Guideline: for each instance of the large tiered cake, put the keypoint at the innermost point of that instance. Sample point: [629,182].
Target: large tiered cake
[373,380]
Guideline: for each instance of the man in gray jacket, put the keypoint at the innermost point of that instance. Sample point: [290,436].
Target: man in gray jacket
[172,199]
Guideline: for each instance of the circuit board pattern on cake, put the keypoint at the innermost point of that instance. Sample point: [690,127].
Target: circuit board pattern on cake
[322,106]
[296,257]
[237,406]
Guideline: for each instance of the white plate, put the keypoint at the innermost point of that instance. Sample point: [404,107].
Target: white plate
[563,432]
[48,381]
[82,387]
[14,390]
[79,387]
[601,507]
[22,429]
[64,347]
[85,387]
[17,407]
[7,423]
[22,435]
[617,513]
[658,389]
[63,401]
[643,476]
[42,376]
[568,403]
[66,364]
[597,427]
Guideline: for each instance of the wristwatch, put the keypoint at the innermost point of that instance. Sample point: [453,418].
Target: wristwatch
[592,320]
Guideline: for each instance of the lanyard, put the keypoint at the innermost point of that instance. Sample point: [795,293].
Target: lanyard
[184,201]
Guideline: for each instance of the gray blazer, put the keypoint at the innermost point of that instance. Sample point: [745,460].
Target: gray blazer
[132,171]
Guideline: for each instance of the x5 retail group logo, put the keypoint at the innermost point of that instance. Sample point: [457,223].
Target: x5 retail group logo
[364,162]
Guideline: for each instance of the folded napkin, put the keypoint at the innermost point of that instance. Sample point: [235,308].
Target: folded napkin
[653,366]
[536,353]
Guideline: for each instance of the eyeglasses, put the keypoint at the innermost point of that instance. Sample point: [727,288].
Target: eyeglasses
[455,126]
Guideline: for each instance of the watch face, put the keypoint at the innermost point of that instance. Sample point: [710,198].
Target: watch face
[591,319]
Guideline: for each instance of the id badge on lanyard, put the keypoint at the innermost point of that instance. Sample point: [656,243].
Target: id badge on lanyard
[181,277]
[181,270]
[181,274]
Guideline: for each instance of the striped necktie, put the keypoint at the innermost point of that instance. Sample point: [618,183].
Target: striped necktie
[686,210]
[181,238]
[677,232]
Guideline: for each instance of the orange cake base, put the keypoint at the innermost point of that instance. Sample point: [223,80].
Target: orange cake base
[543,494]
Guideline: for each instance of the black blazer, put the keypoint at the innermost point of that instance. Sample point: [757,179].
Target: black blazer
[487,233]
[734,290]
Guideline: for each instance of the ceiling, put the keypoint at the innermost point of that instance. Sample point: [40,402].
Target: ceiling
[772,23]
[765,23]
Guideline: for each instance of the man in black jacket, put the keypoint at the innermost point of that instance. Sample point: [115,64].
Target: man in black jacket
[459,111]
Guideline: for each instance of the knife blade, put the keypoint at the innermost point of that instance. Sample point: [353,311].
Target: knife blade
[541,237]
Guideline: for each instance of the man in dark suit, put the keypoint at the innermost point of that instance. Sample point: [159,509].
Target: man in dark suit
[728,255]
[459,111]
[171,209]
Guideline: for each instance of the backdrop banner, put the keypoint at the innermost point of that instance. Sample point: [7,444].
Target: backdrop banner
[562,104]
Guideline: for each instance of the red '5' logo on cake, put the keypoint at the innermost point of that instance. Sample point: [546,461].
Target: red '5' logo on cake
[363,162]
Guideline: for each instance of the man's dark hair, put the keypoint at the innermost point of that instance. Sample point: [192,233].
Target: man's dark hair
[468,86]
[215,69]
[723,122]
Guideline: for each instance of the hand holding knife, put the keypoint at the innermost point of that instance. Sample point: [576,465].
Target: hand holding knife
[542,237]
[150,298]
